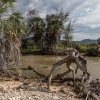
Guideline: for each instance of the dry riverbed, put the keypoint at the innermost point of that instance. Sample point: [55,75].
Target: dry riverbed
[25,89]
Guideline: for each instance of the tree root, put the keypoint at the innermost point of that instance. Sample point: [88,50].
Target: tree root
[91,90]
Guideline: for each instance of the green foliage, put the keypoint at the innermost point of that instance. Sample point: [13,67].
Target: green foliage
[77,46]
[92,51]
[5,6]
[67,35]
[28,46]
[89,49]
[47,32]
[14,23]
[8,1]
[55,25]
[38,28]
[83,47]
[16,71]
[11,24]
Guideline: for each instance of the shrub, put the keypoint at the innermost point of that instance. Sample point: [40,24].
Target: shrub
[92,51]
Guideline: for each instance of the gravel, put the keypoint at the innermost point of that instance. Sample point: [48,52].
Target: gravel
[17,91]
[11,94]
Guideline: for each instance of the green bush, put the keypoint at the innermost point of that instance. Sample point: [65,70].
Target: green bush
[84,48]
[92,51]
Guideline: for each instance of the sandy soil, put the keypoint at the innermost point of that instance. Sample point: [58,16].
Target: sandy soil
[34,90]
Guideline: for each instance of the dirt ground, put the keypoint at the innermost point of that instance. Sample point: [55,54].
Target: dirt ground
[34,90]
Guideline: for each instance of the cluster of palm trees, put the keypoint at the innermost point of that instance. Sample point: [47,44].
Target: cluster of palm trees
[47,31]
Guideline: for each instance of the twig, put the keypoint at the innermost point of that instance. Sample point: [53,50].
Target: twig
[95,97]
[87,95]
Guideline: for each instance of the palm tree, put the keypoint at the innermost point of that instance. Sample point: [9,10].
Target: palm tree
[4,6]
[10,26]
[16,24]
[55,25]
[37,25]
[67,34]
[47,32]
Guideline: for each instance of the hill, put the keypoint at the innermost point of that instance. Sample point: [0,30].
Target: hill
[87,41]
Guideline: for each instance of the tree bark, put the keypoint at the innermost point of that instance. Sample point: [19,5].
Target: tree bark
[2,61]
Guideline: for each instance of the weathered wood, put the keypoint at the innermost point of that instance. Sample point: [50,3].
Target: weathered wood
[33,69]
[73,57]
[89,91]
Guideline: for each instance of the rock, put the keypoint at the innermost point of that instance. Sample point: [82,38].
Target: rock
[24,87]
[26,83]
[70,83]
[16,79]
[65,83]
[25,77]
[2,89]
[62,91]
[44,90]
[56,98]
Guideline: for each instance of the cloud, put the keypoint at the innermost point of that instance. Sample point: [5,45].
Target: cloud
[23,4]
[87,29]
[80,36]
[86,11]
[45,6]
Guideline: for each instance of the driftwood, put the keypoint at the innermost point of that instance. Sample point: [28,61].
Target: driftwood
[73,57]
[89,91]
[33,69]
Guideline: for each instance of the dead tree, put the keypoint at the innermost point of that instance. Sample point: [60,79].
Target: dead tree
[73,57]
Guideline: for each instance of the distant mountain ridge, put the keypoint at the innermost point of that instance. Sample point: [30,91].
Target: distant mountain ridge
[87,41]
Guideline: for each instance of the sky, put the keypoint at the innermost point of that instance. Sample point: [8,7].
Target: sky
[87,13]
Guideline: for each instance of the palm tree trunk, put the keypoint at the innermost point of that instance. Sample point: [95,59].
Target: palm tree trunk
[2,61]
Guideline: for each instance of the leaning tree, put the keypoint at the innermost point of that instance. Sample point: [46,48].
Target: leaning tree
[4,6]
[11,26]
